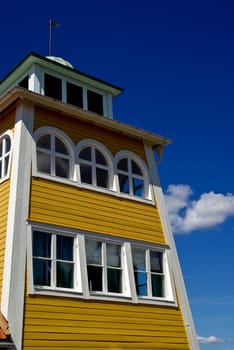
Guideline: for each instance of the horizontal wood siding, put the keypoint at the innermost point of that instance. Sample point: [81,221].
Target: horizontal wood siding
[78,131]
[59,323]
[4,200]
[7,120]
[63,205]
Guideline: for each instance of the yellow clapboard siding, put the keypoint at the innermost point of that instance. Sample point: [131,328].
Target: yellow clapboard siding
[94,211]
[78,130]
[7,120]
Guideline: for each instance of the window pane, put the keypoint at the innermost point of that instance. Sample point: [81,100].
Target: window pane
[65,275]
[138,187]
[138,256]
[114,280]
[95,278]
[60,147]
[85,153]
[86,173]
[65,248]
[62,167]
[74,95]
[41,244]
[93,252]
[113,255]
[1,175]
[42,272]
[43,162]
[24,83]
[102,178]
[53,87]
[95,103]
[100,159]
[141,283]
[123,164]
[157,286]
[7,144]
[44,142]
[136,169]
[1,143]
[6,165]
[124,183]
[156,262]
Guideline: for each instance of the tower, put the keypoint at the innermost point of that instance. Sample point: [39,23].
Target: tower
[88,259]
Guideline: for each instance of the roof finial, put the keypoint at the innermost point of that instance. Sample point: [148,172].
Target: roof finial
[56,25]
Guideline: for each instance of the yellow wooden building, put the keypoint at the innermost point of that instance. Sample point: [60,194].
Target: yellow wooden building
[87,256]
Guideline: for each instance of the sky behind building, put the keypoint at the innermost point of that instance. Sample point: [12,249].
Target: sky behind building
[175,60]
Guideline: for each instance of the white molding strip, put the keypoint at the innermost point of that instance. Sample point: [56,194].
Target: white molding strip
[15,253]
[179,281]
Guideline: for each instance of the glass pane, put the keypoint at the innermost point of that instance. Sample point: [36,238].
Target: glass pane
[65,275]
[44,142]
[41,244]
[95,278]
[65,248]
[138,187]
[86,173]
[60,147]
[113,255]
[53,87]
[114,280]
[141,283]
[43,162]
[100,159]
[74,95]
[62,167]
[156,262]
[93,252]
[102,178]
[95,103]
[85,153]
[1,175]
[7,144]
[6,165]
[136,169]
[41,272]
[1,143]
[123,164]
[124,183]
[157,286]
[138,256]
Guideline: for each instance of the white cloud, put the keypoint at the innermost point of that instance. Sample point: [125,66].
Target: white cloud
[209,210]
[209,340]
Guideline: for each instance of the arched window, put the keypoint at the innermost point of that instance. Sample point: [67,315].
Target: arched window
[95,164]
[5,151]
[54,155]
[132,175]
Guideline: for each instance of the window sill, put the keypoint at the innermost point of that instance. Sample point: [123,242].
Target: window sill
[101,296]
[94,188]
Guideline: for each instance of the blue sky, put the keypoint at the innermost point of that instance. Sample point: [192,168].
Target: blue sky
[175,60]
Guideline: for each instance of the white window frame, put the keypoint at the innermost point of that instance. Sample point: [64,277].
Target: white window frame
[5,175]
[81,288]
[109,167]
[54,132]
[130,156]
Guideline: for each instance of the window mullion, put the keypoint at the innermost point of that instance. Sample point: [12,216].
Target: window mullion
[93,166]
[53,261]
[148,271]
[104,268]
[130,177]
[52,155]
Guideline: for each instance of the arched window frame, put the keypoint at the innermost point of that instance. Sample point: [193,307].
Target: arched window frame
[6,154]
[145,174]
[109,167]
[48,130]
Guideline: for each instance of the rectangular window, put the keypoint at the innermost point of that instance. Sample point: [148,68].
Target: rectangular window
[148,272]
[74,95]
[53,87]
[104,266]
[95,102]
[53,260]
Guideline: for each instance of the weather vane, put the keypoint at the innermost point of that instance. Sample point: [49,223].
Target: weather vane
[56,25]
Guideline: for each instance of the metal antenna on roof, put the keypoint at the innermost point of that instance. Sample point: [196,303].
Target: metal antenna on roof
[56,25]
